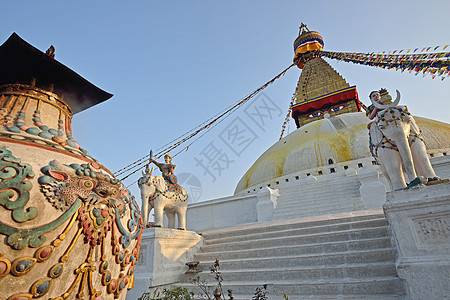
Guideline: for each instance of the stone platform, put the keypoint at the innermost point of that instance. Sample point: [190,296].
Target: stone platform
[420,220]
[162,258]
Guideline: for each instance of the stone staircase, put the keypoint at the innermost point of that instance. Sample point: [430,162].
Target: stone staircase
[345,256]
[331,196]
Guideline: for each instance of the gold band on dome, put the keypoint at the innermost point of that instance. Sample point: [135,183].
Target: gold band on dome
[39,94]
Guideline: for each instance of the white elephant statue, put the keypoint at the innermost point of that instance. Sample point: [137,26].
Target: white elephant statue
[396,142]
[158,194]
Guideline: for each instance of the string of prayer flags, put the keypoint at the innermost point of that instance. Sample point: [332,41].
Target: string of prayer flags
[207,125]
[420,62]
[286,120]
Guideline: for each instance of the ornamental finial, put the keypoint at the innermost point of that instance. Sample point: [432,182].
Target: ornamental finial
[303,28]
[51,51]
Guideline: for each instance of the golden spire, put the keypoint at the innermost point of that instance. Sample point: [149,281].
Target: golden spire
[318,78]
[321,90]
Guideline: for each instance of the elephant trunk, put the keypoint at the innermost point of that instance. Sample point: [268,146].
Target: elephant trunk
[147,190]
[144,207]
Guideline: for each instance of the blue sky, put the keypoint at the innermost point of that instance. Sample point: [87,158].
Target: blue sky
[173,64]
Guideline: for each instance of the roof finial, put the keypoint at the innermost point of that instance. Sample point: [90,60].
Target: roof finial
[51,51]
[303,28]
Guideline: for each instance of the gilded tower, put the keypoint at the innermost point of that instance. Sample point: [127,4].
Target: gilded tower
[321,90]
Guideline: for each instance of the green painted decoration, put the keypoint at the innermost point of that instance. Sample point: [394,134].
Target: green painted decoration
[34,237]
[14,185]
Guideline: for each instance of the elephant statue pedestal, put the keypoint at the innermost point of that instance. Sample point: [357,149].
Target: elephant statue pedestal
[164,253]
[420,221]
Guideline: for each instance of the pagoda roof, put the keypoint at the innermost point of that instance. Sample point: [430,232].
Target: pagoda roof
[20,62]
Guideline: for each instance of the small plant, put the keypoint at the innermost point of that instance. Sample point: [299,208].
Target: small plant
[260,293]
[207,293]
[206,290]
[178,293]
[203,285]
[217,275]
[230,294]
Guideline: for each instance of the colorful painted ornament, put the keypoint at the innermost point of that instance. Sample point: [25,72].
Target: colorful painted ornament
[69,228]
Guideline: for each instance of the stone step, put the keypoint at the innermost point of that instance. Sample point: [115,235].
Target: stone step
[325,297]
[386,286]
[292,250]
[300,209]
[341,189]
[379,222]
[323,209]
[292,224]
[344,193]
[342,196]
[301,205]
[341,256]
[322,259]
[315,273]
[339,185]
[315,238]
[296,214]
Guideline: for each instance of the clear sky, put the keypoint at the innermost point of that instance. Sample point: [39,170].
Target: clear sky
[173,64]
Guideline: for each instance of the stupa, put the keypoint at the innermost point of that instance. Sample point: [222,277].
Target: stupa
[332,134]
[70,229]
[311,218]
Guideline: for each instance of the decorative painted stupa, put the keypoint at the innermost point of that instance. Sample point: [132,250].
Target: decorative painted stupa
[70,229]
[331,133]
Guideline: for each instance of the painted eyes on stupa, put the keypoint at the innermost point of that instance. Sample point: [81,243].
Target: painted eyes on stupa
[315,115]
[337,108]
[321,112]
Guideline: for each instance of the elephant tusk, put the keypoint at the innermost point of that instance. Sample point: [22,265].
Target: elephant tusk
[151,172]
[397,99]
[385,106]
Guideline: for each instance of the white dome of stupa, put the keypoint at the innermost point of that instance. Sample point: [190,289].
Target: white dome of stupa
[340,138]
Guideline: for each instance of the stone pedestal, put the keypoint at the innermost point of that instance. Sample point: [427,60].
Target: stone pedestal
[420,219]
[373,192]
[162,258]
[267,203]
